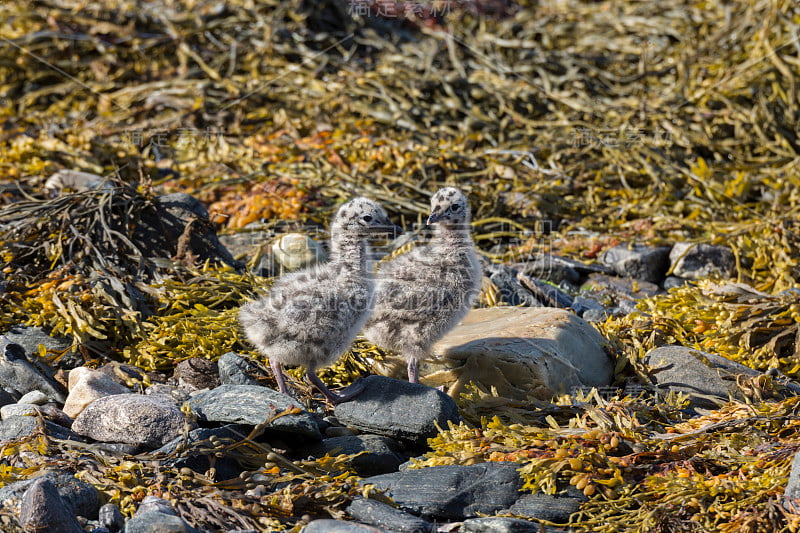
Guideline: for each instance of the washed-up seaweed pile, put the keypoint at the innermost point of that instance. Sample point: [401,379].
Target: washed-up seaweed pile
[572,124]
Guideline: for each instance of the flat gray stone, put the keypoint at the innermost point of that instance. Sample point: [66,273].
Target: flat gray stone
[44,511]
[791,494]
[398,409]
[382,515]
[150,421]
[453,492]
[551,507]
[19,376]
[197,373]
[235,369]
[701,261]
[338,526]
[110,517]
[18,427]
[509,290]
[81,497]
[156,522]
[499,524]
[638,261]
[382,455]
[253,405]
[709,379]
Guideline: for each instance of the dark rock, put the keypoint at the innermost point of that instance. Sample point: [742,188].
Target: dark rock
[559,269]
[700,261]
[382,515]
[110,517]
[253,405]
[549,295]
[150,421]
[235,369]
[226,467]
[155,522]
[17,427]
[340,431]
[338,526]
[552,507]
[629,288]
[178,227]
[708,378]
[499,524]
[509,289]
[19,376]
[6,398]
[452,491]
[382,454]
[81,497]
[398,409]
[31,337]
[197,373]
[44,511]
[638,261]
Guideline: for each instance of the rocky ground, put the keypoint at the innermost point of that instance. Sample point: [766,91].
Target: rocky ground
[632,168]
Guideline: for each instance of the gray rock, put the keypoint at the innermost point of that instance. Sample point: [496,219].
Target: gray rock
[199,460]
[17,427]
[130,418]
[791,494]
[700,261]
[673,282]
[30,337]
[18,409]
[19,376]
[453,492]
[338,526]
[398,409]
[382,515]
[253,405]
[499,524]
[6,398]
[44,511]
[155,504]
[156,522]
[557,269]
[296,250]
[549,295]
[509,290]
[382,454]
[251,244]
[81,497]
[235,369]
[340,431]
[110,517]
[197,373]
[552,507]
[34,397]
[708,378]
[638,261]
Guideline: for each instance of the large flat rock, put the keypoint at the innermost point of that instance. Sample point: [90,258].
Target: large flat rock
[523,352]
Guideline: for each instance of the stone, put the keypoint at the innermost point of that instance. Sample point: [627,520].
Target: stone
[499,524]
[123,373]
[328,525]
[382,455]
[87,385]
[130,418]
[295,250]
[34,397]
[236,369]
[549,295]
[110,517]
[637,261]
[701,261]
[156,522]
[177,395]
[6,398]
[523,352]
[551,507]
[791,494]
[558,270]
[673,282]
[17,427]
[398,409]
[74,181]
[253,405]
[44,511]
[453,492]
[18,409]
[709,379]
[155,504]
[251,248]
[382,515]
[225,467]
[81,497]
[19,376]
[509,290]
[197,373]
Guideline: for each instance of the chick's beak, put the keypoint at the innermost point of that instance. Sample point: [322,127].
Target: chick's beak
[436,216]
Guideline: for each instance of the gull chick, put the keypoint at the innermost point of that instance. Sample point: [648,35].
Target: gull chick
[423,294]
[310,317]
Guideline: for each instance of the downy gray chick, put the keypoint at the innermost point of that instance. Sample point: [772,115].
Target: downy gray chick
[310,317]
[423,294]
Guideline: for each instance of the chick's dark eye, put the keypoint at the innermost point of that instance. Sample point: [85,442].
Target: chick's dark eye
[367,218]
[456,208]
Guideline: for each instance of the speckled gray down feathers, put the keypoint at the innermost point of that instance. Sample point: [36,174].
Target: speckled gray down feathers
[423,294]
[310,317]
